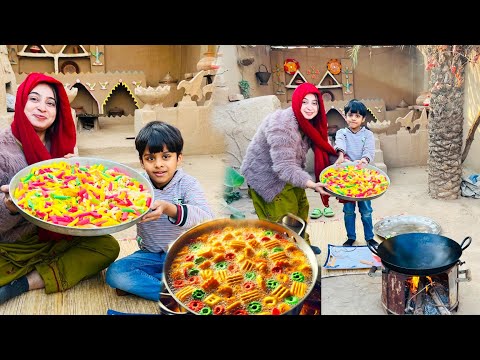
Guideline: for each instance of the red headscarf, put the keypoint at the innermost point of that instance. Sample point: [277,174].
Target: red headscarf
[315,129]
[63,136]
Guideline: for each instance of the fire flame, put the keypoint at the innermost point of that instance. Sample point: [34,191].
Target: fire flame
[413,283]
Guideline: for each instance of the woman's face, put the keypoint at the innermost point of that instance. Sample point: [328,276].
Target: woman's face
[41,108]
[309,107]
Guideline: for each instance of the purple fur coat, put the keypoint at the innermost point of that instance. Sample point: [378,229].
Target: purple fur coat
[12,160]
[276,155]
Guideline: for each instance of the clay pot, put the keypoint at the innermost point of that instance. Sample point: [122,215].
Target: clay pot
[246,61]
[206,62]
[35,49]
[152,97]
[421,98]
[167,79]
[263,76]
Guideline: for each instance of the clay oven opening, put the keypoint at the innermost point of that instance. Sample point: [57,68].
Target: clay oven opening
[86,107]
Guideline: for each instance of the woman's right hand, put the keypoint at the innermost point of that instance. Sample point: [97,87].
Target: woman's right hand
[9,204]
[318,187]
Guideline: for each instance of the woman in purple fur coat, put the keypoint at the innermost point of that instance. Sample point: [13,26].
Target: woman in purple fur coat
[275,160]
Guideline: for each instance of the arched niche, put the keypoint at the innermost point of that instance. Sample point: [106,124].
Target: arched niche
[370,117]
[120,98]
[85,100]
[335,121]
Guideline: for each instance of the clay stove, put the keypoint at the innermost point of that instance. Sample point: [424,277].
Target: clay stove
[433,294]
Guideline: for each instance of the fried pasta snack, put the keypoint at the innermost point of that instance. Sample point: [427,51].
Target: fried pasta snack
[81,196]
[242,271]
[354,182]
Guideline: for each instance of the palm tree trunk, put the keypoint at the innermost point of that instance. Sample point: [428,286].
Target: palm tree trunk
[445,128]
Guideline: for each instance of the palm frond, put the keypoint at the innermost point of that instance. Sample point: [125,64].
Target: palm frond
[353,54]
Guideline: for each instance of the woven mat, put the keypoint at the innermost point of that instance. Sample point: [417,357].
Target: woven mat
[332,231]
[89,297]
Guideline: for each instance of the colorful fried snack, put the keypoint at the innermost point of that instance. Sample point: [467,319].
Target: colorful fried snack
[251,271]
[354,182]
[78,196]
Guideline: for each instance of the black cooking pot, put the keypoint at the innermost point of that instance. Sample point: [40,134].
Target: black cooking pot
[419,253]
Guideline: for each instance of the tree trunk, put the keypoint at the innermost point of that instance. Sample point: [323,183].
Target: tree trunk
[445,128]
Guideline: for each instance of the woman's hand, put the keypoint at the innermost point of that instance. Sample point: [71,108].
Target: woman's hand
[69,155]
[317,187]
[9,204]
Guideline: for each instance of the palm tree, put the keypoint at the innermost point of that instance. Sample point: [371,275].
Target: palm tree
[445,129]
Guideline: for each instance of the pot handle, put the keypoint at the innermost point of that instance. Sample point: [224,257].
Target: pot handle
[469,239]
[372,249]
[372,271]
[164,308]
[297,218]
[266,70]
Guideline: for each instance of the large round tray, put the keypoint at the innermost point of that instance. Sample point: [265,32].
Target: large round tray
[82,161]
[402,224]
[346,163]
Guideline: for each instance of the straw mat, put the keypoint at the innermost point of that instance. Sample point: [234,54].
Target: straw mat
[90,297]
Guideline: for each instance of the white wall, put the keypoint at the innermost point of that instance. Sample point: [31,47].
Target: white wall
[233,75]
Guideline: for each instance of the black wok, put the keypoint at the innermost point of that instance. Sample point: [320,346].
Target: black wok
[419,253]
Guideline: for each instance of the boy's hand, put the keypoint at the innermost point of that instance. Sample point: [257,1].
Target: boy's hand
[362,163]
[156,210]
[340,159]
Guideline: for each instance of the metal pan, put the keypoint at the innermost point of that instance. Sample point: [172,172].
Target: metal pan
[83,161]
[419,253]
[212,225]
[351,163]
[402,224]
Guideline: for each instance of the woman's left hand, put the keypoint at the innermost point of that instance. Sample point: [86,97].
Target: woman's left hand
[69,155]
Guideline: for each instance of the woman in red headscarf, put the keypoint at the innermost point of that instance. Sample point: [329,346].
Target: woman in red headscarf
[275,160]
[32,257]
